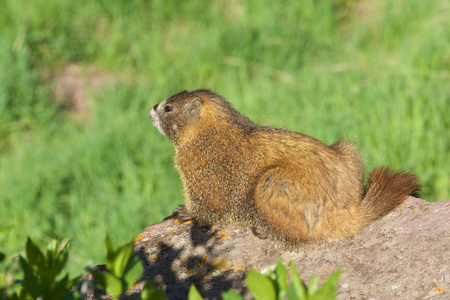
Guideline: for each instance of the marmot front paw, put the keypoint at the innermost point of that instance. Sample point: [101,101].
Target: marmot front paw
[181,213]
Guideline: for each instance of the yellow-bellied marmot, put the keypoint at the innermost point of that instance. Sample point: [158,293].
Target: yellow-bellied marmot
[283,184]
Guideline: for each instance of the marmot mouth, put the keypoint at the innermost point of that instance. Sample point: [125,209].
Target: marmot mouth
[156,120]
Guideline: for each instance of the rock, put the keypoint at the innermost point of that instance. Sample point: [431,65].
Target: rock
[402,256]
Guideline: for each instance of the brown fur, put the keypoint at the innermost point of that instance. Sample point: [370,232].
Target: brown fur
[283,184]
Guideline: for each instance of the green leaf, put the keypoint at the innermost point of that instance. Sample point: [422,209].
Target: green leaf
[24,295]
[123,256]
[123,264]
[31,282]
[61,258]
[2,256]
[148,290]
[40,272]
[261,287]
[312,286]
[328,289]
[232,295]
[334,278]
[109,247]
[194,294]
[52,250]
[55,262]
[151,293]
[133,269]
[62,287]
[110,283]
[158,295]
[117,260]
[56,257]
[297,289]
[281,279]
[35,257]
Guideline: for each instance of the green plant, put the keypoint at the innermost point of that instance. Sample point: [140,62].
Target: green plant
[3,283]
[274,285]
[42,276]
[124,269]
[194,294]
[43,279]
[150,292]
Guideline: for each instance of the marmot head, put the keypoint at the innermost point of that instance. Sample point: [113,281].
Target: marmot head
[179,112]
[186,114]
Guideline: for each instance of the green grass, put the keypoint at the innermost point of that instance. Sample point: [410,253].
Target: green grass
[375,71]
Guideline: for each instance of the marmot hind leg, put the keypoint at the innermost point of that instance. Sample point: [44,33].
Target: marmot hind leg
[282,209]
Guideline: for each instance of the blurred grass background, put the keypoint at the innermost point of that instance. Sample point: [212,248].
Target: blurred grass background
[78,166]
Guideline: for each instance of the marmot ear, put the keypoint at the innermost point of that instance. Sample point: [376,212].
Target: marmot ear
[195,106]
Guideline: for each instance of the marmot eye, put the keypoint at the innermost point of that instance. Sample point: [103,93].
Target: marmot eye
[167,108]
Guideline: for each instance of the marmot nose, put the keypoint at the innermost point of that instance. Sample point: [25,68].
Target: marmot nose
[154,109]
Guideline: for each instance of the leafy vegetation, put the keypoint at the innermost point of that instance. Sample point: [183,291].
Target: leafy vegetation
[124,268]
[375,71]
[42,280]
[274,285]
[41,274]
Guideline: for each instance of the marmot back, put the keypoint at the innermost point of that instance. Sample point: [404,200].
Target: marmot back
[283,184]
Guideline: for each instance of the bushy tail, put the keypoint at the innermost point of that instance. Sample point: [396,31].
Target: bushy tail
[386,190]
